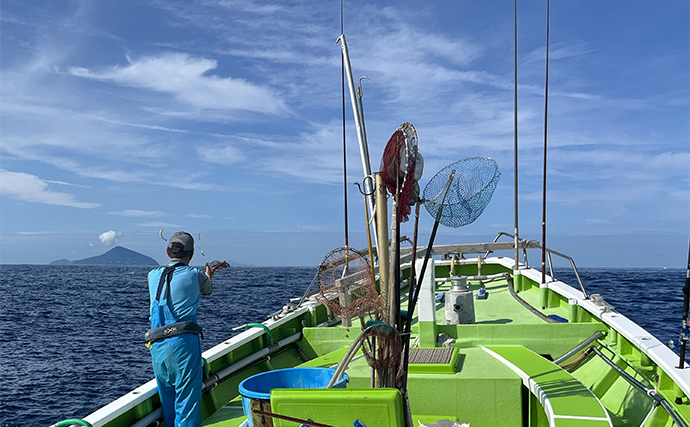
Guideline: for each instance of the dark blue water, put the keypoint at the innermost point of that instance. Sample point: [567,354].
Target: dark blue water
[71,336]
[652,298]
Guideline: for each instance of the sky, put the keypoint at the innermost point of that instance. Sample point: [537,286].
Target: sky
[119,119]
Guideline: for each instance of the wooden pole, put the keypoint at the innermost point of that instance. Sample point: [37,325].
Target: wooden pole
[382,242]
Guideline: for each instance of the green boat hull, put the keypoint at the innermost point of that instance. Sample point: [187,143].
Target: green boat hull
[500,372]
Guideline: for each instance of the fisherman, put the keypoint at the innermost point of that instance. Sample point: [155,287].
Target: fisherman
[174,337]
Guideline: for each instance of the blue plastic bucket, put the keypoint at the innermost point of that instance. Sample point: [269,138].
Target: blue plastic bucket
[259,386]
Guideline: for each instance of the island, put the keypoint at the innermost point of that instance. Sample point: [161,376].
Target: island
[116,256]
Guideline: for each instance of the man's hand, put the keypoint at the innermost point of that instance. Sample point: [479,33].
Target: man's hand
[209,272]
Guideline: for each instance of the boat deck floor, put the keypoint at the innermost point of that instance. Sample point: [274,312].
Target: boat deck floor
[500,307]
[481,390]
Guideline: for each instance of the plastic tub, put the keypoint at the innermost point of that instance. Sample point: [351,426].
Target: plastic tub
[258,387]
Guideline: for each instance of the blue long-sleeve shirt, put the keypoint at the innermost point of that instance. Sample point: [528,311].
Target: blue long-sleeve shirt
[186,285]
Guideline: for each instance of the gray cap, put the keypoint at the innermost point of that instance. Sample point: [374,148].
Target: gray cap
[181,241]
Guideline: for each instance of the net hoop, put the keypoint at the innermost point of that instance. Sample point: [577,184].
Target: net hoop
[402,167]
[470,191]
[348,270]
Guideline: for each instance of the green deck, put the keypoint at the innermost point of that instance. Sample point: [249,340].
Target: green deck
[563,397]
[482,390]
[477,387]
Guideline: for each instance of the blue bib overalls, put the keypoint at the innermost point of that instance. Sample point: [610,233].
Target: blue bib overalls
[176,360]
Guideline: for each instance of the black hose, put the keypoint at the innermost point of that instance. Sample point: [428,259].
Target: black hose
[527,305]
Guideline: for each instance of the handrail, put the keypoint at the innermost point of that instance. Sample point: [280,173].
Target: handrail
[536,245]
[406,253]
[658,399]
[532,244]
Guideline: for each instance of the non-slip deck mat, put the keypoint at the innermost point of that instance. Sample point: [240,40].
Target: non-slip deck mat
[430,355]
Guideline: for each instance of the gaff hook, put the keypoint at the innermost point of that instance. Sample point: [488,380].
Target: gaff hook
[359,88]
[359,187]
[373,186]
[161,234]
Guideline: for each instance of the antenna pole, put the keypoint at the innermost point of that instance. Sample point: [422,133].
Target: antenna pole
[515,149]
[546,113]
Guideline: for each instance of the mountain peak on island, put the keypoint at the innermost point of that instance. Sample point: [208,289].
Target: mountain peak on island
[116,256]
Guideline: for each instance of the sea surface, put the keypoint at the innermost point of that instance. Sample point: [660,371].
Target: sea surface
[71,336]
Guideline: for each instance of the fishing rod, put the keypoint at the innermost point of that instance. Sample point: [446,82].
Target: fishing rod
[412,296]
[685,330]
[546,113]
[214,265]
[412,299]
[515,149]
[342,86]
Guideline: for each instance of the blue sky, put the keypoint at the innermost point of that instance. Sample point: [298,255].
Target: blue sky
[223,118]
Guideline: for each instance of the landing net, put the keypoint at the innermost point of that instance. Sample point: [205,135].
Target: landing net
[401,168]
[383,346]
[470,191]
[346,284]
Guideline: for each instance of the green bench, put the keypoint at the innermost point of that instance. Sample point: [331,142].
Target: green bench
[566,401]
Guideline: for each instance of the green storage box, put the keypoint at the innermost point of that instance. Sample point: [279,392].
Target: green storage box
[339,407]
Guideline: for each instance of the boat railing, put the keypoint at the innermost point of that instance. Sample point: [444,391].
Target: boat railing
[487,248]
[533,244]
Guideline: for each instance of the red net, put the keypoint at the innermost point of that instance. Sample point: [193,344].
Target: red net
[382,347]
[401,168]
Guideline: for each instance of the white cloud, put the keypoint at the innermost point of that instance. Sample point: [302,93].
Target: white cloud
[67,183]
[109,238]
[158,224]
[36,233]
[30,188]
[199,216]
[596,221]
[221,154]
[137,213]
[188,80]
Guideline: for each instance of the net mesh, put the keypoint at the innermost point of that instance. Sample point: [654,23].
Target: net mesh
[470,191]
[345,271]
[401,168]
[382,346]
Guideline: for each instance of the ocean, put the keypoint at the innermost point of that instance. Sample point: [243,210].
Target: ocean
[72,336]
